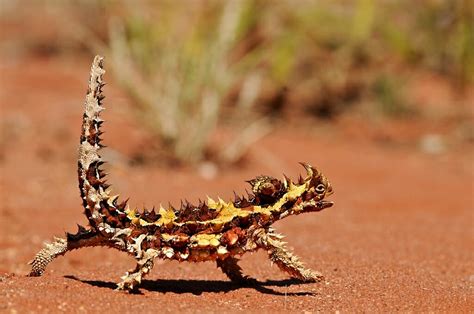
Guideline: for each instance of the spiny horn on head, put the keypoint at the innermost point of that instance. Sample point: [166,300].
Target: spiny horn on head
[310,170]
[300,180]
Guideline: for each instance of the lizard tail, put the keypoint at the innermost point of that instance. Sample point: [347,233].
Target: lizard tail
[102,209]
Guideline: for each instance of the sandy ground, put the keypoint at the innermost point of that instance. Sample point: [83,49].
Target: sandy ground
[400,237]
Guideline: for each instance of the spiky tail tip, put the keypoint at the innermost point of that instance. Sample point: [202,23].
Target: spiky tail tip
[91,178]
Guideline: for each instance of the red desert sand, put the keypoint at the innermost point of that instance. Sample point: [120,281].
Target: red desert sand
[399,237]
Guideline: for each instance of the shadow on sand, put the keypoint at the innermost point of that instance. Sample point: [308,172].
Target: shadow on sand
[198,287]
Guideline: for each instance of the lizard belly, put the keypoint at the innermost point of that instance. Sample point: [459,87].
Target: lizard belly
[194,248]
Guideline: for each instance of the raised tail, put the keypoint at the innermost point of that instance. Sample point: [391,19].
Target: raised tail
[101,208]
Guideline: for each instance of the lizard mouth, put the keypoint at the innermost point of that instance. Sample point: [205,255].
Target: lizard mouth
[314,206]
[324,204]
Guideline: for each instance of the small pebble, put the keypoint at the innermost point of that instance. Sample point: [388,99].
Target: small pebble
[432,144]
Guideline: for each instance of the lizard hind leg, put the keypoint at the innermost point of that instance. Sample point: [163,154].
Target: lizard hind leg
[144,265]
[46,256]
[60,246]
[285,259]
[232,270]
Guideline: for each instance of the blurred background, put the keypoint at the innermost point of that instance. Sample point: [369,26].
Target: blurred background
[400,72]
[202,95]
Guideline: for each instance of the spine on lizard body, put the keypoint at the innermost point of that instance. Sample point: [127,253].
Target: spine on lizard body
[101,208]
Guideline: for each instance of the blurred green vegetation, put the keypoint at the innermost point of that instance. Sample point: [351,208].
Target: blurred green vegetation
[192,65]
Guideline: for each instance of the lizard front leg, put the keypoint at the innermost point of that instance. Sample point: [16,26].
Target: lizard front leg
[144,265]
[284,258]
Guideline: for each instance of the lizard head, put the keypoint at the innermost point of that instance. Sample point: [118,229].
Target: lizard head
[316,187]
[284,198]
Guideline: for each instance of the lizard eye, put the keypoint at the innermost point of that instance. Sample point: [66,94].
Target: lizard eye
[320,188]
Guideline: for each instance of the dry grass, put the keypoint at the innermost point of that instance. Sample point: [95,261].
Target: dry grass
[189,68]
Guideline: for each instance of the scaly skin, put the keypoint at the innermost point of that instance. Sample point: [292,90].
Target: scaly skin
[211,231]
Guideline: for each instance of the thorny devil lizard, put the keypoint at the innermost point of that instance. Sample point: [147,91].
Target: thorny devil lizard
[212,231]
